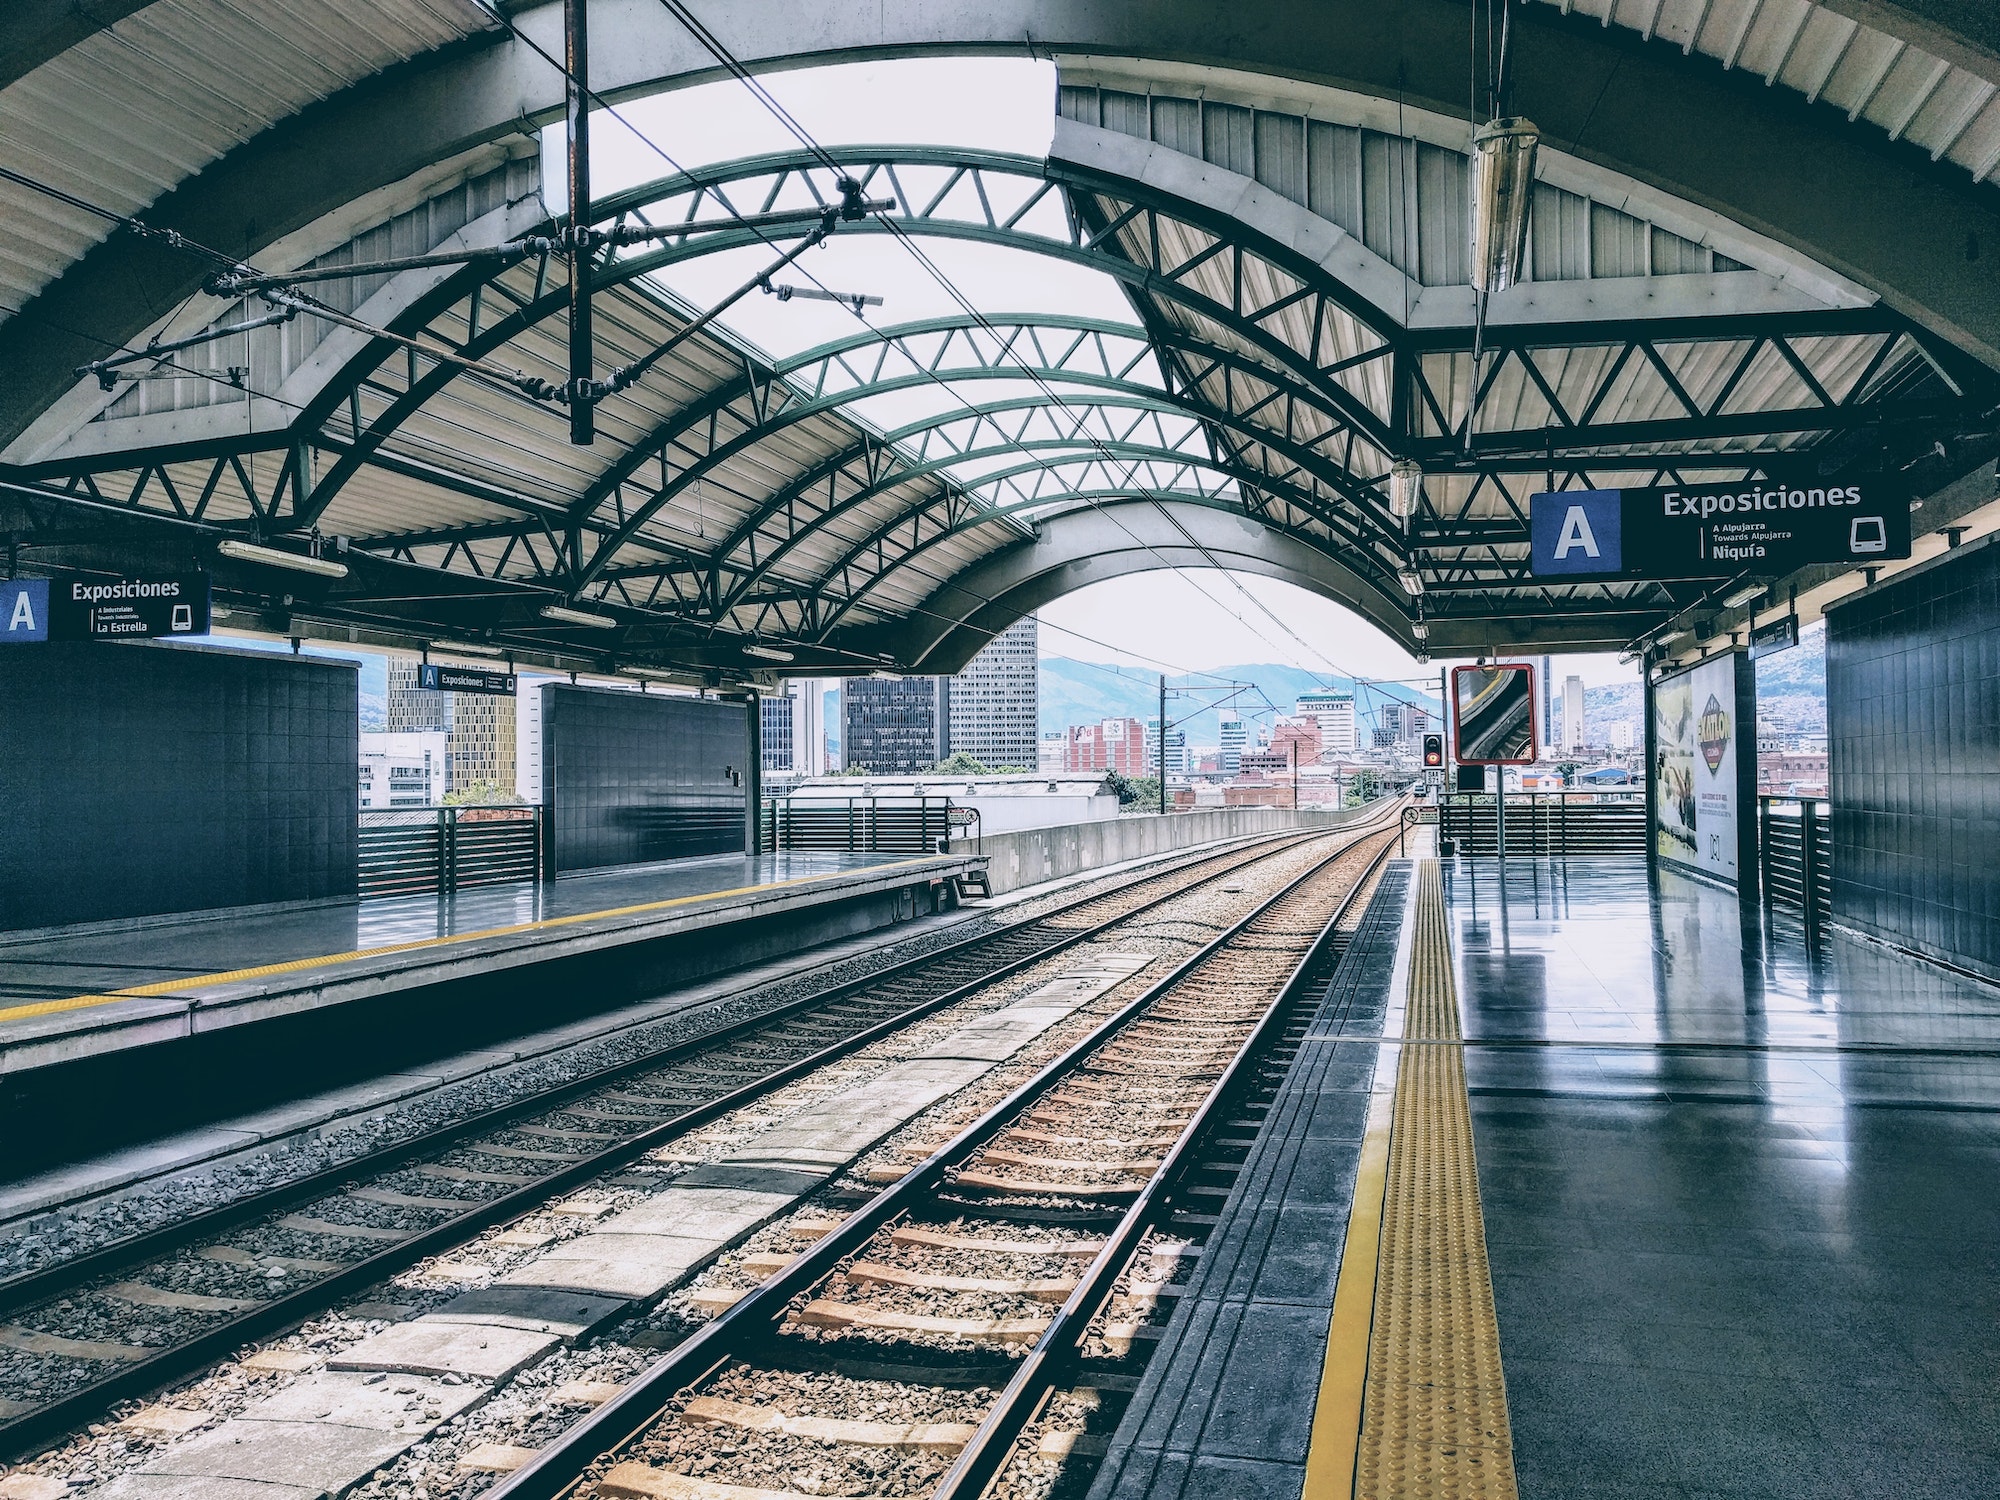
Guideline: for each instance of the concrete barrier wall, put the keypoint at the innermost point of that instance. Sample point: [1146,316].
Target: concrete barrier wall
[1030,855]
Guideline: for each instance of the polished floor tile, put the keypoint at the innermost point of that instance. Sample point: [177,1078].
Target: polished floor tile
[1742,1202]
[113,956]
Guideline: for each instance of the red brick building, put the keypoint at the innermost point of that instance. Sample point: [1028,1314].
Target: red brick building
[1111,745]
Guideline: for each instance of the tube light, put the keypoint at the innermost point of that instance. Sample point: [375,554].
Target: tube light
[653,674]
[768,653]
[1412,582]
[272,557]
[468,648]
[1503,182]
[1744,595]
[1406,487]
[562,614]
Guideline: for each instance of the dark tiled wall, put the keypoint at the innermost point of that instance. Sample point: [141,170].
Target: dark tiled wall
[632,777]
[144,779]
[1913,726]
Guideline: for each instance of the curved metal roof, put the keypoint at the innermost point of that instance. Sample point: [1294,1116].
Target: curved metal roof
[1292,254]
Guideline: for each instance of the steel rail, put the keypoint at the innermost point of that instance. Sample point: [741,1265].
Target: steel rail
[751,1321]
[24,1430]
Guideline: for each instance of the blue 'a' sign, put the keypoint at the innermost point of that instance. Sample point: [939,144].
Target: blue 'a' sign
[24,611]
[1576,531]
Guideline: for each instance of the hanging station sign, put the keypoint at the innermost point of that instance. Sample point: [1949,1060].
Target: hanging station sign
[125,609]
[1709,530]
[444,679]
[1774,636]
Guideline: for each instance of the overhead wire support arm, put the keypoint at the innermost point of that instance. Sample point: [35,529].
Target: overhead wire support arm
[106,370]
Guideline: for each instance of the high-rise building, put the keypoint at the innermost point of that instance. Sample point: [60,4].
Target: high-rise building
[808,725]
[895,726]
[1176,748]
[1572,713]
[1234,736]
[482,743]
[994,702]
[479,728]
[1112,745]
[1334,713]
[777,724]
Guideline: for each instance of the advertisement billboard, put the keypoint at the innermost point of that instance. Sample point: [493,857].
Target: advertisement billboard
[1494,714]
[1702,814]
[1707,530]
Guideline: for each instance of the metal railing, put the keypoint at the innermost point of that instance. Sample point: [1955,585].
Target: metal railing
[1558,824]
[409,851]
[1795,840]
[856,825]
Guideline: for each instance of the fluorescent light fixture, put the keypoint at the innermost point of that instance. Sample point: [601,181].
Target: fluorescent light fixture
[468,648]
[562,614]
[1412,582]
[768,653]
[888,676]
[1503,182]
[272,557]
[1744,595]
[1676,635]
[652,674]
[1406,487]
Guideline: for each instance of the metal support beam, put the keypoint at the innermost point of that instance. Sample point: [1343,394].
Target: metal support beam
[576,58]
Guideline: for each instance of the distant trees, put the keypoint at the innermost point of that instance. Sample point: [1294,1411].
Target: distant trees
[482,794]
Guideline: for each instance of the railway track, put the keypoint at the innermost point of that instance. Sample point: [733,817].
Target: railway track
[77,1337]
[985,1317]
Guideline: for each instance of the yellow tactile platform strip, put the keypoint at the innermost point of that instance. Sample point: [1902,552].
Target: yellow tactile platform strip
[293,966]
[1433,1418]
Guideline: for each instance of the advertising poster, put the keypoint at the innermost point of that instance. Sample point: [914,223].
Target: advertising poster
[1697,802]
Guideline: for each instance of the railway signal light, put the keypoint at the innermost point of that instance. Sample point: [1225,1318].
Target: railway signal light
[1433,751]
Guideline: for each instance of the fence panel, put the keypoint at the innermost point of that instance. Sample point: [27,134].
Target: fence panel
[1558,825]
[1796,837]
[857,825]
[417,850]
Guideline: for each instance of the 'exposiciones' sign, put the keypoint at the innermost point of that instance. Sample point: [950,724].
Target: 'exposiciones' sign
[1710,530]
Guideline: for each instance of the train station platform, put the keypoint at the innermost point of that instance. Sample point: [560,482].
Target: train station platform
[1627,1193]
[75,994]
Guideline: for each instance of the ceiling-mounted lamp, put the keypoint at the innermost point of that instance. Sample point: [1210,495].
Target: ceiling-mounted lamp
[562,614]
[1412,582]
[768,653]
[1503,182]
[468,648]
[1406,487]
[652,674]
[1420,631]
[272,557]
[1744,595]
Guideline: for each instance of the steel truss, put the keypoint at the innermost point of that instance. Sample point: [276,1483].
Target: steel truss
[1252,380]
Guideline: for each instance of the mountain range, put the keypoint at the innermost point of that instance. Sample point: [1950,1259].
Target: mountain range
[1791,690]
[1082,692]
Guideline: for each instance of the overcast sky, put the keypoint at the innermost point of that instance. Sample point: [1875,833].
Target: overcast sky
[1184,620]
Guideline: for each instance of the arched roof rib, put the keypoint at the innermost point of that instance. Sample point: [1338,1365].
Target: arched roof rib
[1289,391]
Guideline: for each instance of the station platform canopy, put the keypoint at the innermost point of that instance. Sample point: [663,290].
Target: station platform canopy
[1762,240]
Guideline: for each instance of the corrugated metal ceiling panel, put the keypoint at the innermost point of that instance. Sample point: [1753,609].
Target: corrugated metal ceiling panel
[130,112]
